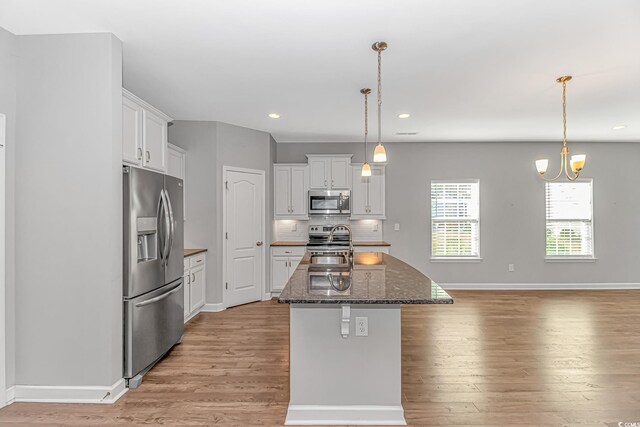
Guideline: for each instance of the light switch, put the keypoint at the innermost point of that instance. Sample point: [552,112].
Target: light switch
[396,227]
[512,267]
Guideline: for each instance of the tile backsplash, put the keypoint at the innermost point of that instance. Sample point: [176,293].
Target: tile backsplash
[294,230]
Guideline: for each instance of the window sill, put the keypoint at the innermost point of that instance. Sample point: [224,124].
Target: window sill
[570,259]
[454,259]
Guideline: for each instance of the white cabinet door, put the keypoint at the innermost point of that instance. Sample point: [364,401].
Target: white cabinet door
[131,132]
[293,264]
[282,190]
[197,288]
[299,191]
[176,166]
[279,272]
[319,173]
[340,173]
[375,193]
[359,189]
[186,284]
[154,141]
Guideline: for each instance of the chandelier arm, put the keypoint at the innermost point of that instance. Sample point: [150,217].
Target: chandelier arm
[563,162]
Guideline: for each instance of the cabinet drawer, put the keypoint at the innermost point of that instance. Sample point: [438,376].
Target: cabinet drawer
[196,260]
[288,250]
[383,249]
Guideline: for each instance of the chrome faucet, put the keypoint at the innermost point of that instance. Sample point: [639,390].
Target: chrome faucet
[334,228]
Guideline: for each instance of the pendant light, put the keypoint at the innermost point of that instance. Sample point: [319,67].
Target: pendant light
[366,169]
[379,154]
[577,161]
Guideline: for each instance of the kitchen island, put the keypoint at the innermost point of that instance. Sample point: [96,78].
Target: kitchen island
[345,338]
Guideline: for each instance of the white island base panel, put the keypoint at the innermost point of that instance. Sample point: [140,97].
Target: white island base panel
[337,377]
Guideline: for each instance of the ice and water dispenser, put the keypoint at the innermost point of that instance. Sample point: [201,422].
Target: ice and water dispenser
[147,238]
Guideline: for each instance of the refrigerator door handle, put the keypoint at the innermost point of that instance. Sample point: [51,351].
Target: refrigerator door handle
[172,228]
[159,297]
[167,223]
[161,236]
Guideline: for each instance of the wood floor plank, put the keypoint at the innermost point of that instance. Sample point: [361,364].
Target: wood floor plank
[538,358]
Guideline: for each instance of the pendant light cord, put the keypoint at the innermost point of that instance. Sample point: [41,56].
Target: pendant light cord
[379,96]
[366,124]
[564,113]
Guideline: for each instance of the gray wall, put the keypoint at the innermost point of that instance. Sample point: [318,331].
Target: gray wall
[512,207]
[8,84]
[199,140]
[219,144]
[69,210]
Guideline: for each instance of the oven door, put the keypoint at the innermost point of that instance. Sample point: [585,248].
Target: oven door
[329,203]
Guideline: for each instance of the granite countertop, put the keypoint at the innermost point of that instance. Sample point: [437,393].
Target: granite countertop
[190,252]
[376,278]
[285,243]
[355,243]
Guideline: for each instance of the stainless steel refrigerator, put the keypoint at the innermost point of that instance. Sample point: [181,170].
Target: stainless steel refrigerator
[153,268]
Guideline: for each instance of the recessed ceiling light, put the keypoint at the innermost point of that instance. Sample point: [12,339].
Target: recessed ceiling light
[619,127]
[404,116]
[274,115]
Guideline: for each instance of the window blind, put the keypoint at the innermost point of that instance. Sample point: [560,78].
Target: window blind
[569,231]
[455,218]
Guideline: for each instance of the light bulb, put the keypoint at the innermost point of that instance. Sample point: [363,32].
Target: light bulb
[577,162]
[366,169]
[379,154]
[542,165]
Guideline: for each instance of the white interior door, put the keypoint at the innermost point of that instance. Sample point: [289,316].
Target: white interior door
[3,366]
[244,236]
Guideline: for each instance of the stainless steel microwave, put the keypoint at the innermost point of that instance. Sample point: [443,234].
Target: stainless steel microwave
[323,202]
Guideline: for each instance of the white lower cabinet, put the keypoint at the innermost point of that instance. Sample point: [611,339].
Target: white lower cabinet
[194,284]
[284,261]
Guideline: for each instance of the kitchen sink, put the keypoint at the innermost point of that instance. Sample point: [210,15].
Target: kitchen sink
[329,282]
[329,259]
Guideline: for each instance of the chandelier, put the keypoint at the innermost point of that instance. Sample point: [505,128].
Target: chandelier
[379,154]
[577,162]
[366,169]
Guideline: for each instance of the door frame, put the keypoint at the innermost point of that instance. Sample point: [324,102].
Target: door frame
[3,302]
[225,171]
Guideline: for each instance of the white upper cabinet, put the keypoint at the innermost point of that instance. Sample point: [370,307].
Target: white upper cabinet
[131,132]
[291,185]
[144,134]
[367,194]
[154,141]
[329,172]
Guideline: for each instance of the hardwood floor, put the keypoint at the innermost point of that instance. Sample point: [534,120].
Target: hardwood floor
[493,358]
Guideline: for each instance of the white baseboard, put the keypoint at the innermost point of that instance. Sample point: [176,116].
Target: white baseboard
[67,394]
[537,286]
[213,308]
[347,414]
[11,395]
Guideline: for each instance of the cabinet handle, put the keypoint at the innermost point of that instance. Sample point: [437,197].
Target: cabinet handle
[194,277]
[287,252]
[332,182]
[188,279]
[139,153]
[325,182]
[148,156]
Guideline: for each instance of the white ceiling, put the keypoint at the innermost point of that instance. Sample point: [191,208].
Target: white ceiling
[465,69]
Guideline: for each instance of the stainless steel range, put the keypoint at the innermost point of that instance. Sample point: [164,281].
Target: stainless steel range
[322,241]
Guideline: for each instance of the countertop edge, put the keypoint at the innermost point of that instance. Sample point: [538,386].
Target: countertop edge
[355,243]
[192,252]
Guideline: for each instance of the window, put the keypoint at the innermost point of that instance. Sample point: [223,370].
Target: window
[455,219]
[569,232]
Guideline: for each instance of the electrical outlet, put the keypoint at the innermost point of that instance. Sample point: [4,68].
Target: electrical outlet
[362,326]
[294,226]
[512,267]
[396,227]
[375,227]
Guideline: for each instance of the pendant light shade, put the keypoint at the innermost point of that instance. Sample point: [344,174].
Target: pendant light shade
[379,154]
[366,169]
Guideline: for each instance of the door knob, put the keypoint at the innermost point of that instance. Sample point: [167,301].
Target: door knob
[259,243]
